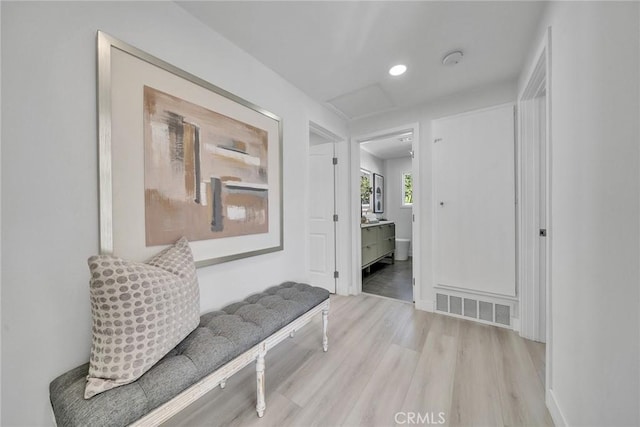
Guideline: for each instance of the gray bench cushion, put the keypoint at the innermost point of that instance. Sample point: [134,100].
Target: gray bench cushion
[221,336]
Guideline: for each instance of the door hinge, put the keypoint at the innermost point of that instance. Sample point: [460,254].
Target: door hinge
[335,217]
[413,281]
[335,160]
[543,232]
[413,217]
[336,275]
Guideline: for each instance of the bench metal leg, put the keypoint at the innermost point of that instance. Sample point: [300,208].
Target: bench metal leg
[325,322]
[261,404]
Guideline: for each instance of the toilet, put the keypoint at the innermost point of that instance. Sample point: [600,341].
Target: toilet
[402,249]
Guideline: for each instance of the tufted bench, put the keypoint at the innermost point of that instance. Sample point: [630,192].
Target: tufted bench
[224,342]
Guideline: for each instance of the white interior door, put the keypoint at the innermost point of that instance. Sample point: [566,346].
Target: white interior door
[474,179]
[322,246]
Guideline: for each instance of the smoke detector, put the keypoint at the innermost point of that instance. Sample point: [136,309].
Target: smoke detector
[452,58]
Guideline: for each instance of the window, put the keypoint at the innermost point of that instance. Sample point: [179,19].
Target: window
[365,189]
[407,189]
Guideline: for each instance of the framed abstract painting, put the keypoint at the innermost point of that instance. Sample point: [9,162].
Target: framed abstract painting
[179,156]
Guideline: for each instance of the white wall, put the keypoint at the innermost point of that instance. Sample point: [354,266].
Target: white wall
[594,230]
[371,163]
[50,178]
[394,211]
[483,97]
[1,328]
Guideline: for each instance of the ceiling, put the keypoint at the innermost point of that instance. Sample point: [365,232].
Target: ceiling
[390,147]
[340,52]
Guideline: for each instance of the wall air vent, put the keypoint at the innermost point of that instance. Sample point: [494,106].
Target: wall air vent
[455,305]
[474,308]
[486,311]
[503,315]
[471,308]
[442,302]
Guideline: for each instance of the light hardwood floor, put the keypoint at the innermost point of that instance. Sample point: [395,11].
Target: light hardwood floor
[385,357]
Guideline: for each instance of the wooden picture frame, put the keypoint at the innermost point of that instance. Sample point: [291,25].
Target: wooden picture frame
[180,156]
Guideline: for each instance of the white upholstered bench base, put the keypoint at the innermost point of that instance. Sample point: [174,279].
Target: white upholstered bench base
[220,376]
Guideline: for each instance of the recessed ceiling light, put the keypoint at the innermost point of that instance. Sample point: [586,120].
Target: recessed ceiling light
[397,70]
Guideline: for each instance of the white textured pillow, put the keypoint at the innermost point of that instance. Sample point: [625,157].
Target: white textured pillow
[140,312]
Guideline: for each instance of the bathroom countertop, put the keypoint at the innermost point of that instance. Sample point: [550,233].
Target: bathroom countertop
[372,224]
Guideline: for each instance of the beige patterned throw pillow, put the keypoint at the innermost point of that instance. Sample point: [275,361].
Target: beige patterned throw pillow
[140,312]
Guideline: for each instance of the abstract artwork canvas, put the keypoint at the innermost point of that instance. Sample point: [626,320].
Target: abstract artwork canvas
[179,156]
[206,174]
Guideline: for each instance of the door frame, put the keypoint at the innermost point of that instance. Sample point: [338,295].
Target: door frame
[342,241]
[538,80]
[356,237]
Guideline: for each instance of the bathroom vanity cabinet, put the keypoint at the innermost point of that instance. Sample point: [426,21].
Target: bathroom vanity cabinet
[378,242]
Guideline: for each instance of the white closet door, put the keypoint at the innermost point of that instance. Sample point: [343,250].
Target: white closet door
[474,182]
[322,239]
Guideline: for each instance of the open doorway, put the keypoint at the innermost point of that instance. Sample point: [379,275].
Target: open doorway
[385,189]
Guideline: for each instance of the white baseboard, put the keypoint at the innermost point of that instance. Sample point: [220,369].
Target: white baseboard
[515,324]
[424,305]
[554,410]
